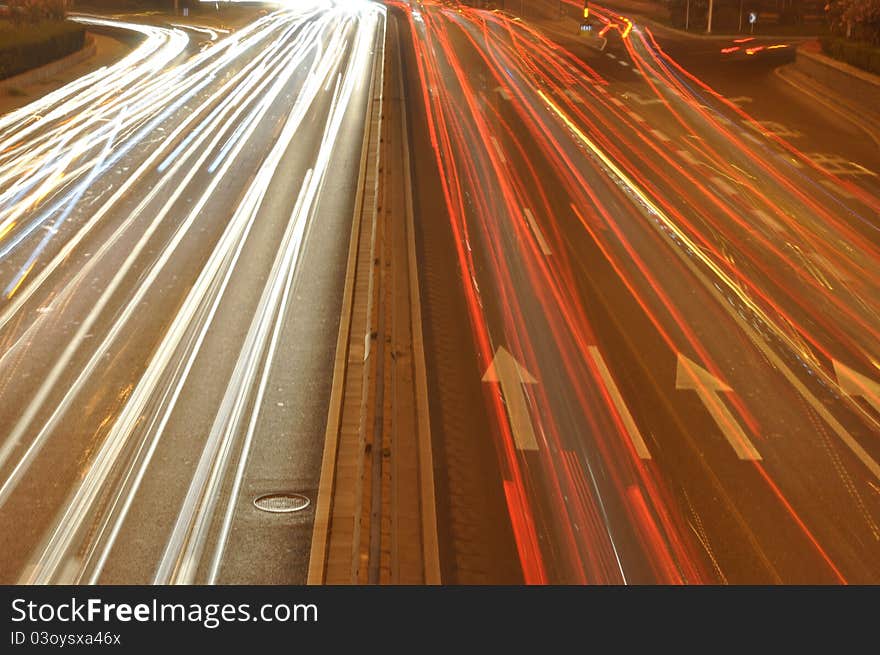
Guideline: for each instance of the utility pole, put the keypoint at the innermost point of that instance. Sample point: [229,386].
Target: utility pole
[687,15]
[740,15]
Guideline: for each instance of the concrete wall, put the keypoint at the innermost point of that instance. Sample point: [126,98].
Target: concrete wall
[43,73]
[840,78]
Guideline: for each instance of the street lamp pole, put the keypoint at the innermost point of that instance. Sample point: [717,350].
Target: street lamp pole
[709,23]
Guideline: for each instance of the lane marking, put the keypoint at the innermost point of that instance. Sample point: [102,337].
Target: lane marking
[542,242]
[574,97]
[773,128]
[853,383]
[754,336]
[688,157]
[504,93]
[691,376]
[498,150]
[836,188]
[775,225]
[751,137]
[620,405]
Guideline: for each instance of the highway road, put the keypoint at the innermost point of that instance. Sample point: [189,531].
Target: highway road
[651,317]
[767,85]
[674,311]
[173,240]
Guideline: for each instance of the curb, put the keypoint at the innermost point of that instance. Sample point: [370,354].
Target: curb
[820,59]
[848,113]
[325,501]
[43,73]
[835,84]
[430,538]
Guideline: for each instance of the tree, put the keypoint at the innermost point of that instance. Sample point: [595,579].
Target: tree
[864,15]
[857,19]
[34,11]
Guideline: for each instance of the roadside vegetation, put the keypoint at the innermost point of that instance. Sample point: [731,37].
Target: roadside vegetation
[855,53]
[855,26]
[34,33]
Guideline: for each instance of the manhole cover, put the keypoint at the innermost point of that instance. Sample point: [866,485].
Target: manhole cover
[281,502]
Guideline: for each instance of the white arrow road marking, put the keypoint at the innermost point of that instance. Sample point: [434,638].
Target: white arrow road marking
[631,428]
[853,383]
[774,129]
[500,90]
[505,370]
[752,138]
[660,135]
[542,242]
[690,375]
[755,337]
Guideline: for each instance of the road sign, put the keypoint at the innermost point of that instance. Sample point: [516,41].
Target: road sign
[753,17]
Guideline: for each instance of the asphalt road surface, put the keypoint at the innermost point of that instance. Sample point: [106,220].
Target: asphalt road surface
[674,310]
[651,315]
[174,237]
